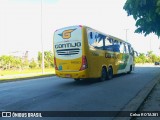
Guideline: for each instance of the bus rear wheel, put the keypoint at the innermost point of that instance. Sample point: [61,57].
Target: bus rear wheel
[110,73]
[103,74]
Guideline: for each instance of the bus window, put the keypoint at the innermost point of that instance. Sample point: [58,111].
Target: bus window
[110,40]
[125,48]
[91,38]
[99,43]
[116,42]
[130,49]
[108,44]
[91,35]
[116,48]
[96,40]
[122,48]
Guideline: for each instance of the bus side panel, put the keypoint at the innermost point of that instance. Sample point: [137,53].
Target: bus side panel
[125,61]
[111,59]
[97,62]
[85,51]
[92,60]
[122,58]
[130,63]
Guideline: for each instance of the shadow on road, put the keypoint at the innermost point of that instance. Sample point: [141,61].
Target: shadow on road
[81,82]
[138,70]
[86,82]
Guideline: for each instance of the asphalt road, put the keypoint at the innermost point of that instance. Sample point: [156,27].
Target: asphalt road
[60,94]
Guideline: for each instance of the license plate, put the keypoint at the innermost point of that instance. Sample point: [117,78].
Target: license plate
[68,75]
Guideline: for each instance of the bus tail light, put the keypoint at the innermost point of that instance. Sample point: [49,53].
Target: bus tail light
[55,65]
[84,63]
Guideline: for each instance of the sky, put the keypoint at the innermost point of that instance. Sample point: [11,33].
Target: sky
[20,23]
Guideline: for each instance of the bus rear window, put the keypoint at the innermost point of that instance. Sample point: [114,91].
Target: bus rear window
[68,43]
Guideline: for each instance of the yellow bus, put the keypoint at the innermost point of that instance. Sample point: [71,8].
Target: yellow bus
[82,52]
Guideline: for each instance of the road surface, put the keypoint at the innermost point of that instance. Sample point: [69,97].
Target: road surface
[61,94]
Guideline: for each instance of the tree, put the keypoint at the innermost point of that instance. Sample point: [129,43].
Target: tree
[142,57]
[147,15]
[33,64]
[8,62]
[48,58]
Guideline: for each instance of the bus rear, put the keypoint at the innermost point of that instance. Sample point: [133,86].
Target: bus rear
[69,58]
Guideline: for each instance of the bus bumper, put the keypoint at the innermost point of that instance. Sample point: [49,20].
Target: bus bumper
[70,74]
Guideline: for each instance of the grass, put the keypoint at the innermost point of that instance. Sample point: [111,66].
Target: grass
[8,75]
[26,71]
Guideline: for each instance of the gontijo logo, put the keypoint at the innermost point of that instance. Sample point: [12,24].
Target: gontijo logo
[66,34]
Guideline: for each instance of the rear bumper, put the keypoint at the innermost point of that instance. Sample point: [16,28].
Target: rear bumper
[72,74]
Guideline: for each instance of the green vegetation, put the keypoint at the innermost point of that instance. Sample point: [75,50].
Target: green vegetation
[20,63]
[146,13]
[149,58]
[9,75]
[12,67]
[26,71]
[147,16]
[48,59]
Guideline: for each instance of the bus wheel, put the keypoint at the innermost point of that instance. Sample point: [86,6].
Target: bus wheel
[110,73]
[103,74]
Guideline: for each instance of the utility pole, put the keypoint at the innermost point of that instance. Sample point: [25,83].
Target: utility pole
[42,37]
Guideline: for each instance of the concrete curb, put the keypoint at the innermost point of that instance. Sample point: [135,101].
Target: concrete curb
[138,100]
[27,78]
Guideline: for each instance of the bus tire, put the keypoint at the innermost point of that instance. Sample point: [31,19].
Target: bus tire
[130,70]
[110,73]
[103,74]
